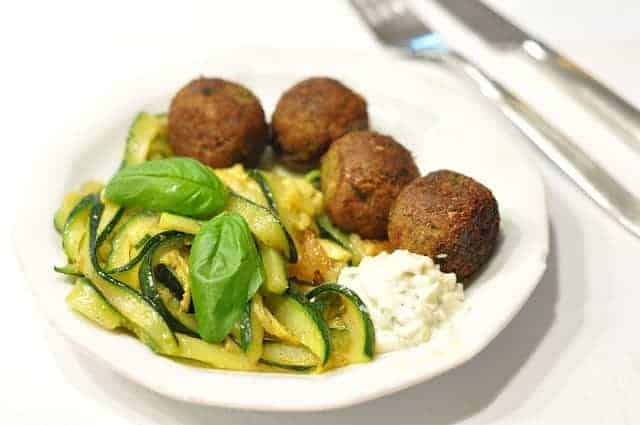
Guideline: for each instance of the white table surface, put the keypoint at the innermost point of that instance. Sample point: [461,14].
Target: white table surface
[571,356]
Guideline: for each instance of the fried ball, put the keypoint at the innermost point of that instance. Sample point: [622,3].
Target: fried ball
[361,175]
[217,122]
[311,115]
[449,217]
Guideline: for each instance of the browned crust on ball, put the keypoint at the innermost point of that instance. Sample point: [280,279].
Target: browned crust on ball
[312,114]
[449,217]
[217,122]
[361,175]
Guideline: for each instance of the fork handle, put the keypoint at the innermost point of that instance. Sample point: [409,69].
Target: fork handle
[572,160]
[620,114]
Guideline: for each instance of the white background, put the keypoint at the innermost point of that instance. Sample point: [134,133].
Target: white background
[571,356]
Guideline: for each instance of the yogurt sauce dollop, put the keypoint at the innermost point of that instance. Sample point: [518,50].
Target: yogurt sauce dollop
[406,294]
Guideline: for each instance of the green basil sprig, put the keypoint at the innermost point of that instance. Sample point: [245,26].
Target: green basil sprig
[178,185]
[226,271]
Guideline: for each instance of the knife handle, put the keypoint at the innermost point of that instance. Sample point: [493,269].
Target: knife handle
[573,161]
[621,115]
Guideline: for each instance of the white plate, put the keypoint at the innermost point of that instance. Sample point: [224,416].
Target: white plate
[440,120]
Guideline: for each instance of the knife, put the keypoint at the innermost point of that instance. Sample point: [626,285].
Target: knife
[504,35]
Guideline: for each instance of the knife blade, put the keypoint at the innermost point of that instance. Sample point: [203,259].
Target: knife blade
[505,35]
[493,27]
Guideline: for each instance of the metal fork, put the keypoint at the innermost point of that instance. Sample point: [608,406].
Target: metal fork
[395,25]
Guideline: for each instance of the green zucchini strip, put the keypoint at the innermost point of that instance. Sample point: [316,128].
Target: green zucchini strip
[303,321]
[329,229]
[168,279]
[287,356]
[264,187]
[144,129]
[313,176]
[251,332]
[69,270]
[361,333]
[216,355]
[271,200]
[145,321]
[275,269]
[108,228]
[87,300]
[148,245]
[263,222]
[76,227]
[148,282]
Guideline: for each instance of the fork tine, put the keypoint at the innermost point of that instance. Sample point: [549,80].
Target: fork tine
[391,20]
[376,11]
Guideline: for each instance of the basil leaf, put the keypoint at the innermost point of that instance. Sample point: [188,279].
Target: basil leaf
[225,270]
[178,185]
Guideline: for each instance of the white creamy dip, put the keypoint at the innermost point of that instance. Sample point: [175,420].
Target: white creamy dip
[406,294]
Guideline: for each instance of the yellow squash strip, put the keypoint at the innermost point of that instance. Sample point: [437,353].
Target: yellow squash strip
[86,300]
[254,351]
[221,356]
[179,223]
[271,325]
